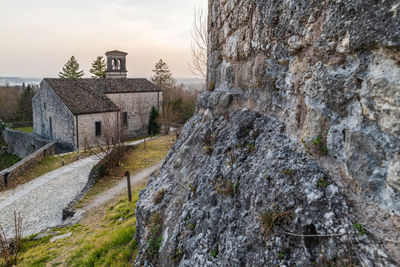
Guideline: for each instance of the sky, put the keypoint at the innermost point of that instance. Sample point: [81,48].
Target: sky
[39,36]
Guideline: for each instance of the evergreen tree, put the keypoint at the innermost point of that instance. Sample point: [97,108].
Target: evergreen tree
[98,68]
[162,75]
[71,70]
[154,127]
[24,108]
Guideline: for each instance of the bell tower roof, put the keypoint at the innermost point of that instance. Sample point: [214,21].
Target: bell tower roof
[116,64]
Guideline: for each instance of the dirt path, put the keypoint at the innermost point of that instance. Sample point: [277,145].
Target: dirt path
[112,193]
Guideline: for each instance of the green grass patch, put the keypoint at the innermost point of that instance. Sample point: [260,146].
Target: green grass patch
[7,160]
[28,129]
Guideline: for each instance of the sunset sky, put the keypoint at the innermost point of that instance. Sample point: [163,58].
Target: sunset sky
[39,36]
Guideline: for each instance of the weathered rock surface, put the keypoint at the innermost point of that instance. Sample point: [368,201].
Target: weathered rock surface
[233,171]
[317,148]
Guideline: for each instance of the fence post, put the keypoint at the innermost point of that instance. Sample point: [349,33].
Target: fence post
[62,160]
[128,179]
[6,179]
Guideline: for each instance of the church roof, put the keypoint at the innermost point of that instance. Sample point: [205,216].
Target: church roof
[84,96]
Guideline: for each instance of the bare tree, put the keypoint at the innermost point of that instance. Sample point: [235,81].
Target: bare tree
[9,249]
[198,66]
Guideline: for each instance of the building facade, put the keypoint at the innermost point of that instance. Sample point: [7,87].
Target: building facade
[83,113]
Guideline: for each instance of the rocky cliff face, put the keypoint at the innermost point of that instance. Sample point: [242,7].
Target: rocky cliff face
[295,144]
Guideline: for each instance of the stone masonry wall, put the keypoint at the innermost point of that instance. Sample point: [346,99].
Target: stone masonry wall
[87,129]
[26,164]
[22,144]
[45,105]
[138,106]
[330,70]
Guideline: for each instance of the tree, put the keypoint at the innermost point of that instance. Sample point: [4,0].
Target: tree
[162,75]
[24,107]
[98,68]
[198,66]
[154,127]
[71,69]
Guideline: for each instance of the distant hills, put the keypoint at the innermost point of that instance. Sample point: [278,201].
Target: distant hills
[189,83]
[19,80]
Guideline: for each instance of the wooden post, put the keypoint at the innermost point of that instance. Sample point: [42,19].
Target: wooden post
[77,154]
[128,179]
[62,160]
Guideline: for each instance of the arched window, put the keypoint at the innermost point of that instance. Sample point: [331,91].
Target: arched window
[114,64]
[119,64]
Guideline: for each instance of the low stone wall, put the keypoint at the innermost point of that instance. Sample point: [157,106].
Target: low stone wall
[22,144]
[97,172]
[27,163]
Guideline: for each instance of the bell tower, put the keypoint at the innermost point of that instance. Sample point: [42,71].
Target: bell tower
[116,64]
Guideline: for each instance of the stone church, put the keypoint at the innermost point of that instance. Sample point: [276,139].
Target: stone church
[81,113]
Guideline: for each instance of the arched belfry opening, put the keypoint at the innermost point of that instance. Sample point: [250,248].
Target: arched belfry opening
[116,64]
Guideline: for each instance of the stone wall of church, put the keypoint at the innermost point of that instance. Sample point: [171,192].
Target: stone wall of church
[87,129]
[51,117]
[138,106]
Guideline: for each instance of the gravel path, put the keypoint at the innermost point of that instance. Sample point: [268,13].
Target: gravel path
[42,200]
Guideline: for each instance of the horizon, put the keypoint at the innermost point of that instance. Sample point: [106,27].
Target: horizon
[146,30]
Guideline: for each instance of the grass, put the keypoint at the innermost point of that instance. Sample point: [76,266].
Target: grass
[28,129]
[7,160]
[105,237]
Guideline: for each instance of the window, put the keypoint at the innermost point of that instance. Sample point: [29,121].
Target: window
[114,64]
[119,66]
[98,128]
[125,119]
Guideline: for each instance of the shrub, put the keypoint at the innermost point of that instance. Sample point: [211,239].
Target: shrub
[153,127]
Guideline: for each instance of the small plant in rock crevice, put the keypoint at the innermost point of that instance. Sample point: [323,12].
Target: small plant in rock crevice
[359,228]
[281,256]
[158,197]
[209,141]
[287,172]
[323,182]
[316,146]
[226,188]
[214,252]
[271,218]
[177,255]
[154,239]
